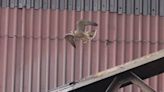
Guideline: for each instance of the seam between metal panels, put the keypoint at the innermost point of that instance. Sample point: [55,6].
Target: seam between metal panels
[137,7]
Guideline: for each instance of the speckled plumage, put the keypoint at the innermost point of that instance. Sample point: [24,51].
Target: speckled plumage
[81,33]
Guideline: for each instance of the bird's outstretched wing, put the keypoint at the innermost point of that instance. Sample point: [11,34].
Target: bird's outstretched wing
[82,23]
[71,39]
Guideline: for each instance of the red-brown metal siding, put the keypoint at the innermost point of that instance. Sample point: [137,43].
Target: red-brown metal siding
[35,57]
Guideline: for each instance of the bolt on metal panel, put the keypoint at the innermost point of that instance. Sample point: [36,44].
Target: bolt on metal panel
[129,6]
[161,8]
[5,3]
[61,4]
[137,7]
[12,5]
[120,6]
[153,7]
[87,5]
[28,2]
[78,5]
[104,5]
[113,5]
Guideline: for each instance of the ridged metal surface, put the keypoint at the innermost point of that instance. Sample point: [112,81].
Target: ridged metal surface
[138,7]
[35,57]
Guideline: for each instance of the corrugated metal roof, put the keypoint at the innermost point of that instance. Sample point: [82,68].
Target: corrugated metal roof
[35,56]
[145,7]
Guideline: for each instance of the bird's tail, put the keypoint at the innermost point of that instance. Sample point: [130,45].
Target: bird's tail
[92,34]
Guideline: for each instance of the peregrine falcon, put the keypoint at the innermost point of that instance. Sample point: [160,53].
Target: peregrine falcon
[81,33]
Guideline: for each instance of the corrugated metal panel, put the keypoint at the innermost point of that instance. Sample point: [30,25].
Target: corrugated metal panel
[12,5]
[21,3]
[35,57]
[121,6]
[5,3]
[104,5]
[161,4]
[129,6]
[91,5]
[86,5]
[61,4]
[113,5]
[145,7]
[37,4]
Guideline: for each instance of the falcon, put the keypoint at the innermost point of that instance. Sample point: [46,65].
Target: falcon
[81,33]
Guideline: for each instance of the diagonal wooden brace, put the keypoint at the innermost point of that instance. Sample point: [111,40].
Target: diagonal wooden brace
[124,78]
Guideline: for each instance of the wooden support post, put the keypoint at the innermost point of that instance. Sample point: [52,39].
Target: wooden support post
[121,79]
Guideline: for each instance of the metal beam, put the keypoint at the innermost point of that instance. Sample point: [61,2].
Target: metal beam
[124,78]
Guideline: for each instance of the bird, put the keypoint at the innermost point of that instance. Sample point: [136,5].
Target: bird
[81,33]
